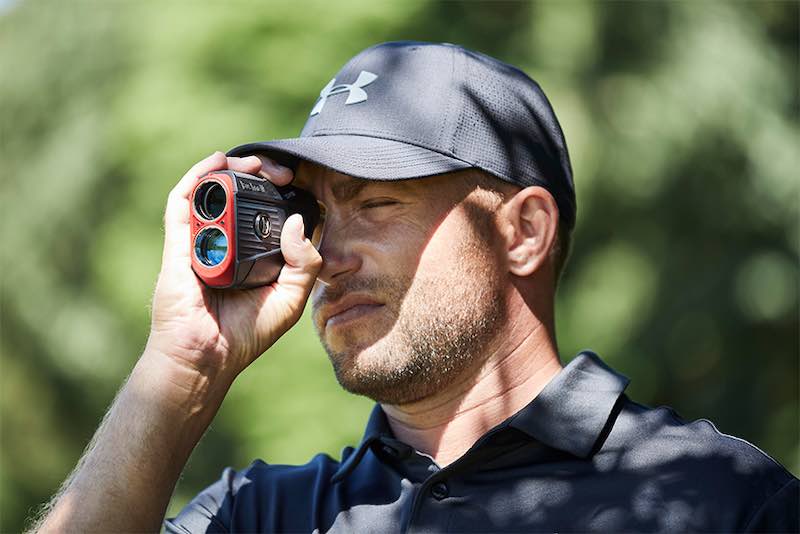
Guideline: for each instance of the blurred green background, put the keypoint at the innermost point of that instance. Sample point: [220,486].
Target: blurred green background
[681,118]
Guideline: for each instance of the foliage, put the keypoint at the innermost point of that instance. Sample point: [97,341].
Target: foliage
[681,117]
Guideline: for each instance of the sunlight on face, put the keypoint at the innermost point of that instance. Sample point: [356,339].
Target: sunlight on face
[416,250]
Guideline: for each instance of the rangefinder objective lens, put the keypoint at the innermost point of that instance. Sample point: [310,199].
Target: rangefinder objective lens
[211,246]
[209,201]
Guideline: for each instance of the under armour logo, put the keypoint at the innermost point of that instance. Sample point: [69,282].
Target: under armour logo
[356,93]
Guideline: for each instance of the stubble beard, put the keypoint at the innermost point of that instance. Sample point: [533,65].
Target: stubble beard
[443,327]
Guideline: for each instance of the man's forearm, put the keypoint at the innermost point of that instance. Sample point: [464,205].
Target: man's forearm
[128,472]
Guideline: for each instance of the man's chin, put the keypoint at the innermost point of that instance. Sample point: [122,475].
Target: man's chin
[355,358]
[351,341]
[364,371]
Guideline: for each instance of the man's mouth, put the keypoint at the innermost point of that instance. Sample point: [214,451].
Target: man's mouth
[351,314]
[348,308]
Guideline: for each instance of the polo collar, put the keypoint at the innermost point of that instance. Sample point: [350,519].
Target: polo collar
[572,410]
[569,414]
[377,428]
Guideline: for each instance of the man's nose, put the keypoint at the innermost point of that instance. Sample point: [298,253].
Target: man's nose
[338,257]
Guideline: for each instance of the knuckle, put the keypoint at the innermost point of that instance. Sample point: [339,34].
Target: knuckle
[218,158]
[315,263]
[221,162]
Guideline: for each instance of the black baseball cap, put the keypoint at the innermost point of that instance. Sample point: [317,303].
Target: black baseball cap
[409,109]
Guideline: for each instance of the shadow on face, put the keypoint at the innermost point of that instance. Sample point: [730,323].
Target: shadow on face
[419,261]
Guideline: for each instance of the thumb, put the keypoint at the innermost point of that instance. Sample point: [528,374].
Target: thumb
[303,261]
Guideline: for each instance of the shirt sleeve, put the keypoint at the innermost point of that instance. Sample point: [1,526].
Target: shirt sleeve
[781,512]
[209,511]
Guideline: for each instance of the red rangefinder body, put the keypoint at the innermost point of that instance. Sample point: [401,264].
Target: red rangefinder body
[236,222]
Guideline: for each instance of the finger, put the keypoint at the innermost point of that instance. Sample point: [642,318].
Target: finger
[274,172]
[249,164]
[303,263]
[215,162]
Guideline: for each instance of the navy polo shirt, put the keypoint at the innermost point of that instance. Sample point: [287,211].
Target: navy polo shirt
[581,456]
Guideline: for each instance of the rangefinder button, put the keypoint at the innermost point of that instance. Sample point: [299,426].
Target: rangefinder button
[262,225]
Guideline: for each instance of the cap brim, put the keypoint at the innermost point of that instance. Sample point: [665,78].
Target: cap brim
[356,155]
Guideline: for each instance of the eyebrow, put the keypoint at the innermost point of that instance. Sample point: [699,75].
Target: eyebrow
[349,189]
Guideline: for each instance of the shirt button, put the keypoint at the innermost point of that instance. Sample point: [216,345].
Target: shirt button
[440,491]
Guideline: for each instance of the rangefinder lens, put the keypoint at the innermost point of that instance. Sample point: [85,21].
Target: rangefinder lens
[211,246]
[209,201]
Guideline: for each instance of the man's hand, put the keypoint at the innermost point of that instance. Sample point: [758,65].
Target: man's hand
[200,339]
[220,332]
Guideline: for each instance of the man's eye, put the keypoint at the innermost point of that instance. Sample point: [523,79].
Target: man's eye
[378,203]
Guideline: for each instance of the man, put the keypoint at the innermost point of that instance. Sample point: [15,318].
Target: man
[449,202]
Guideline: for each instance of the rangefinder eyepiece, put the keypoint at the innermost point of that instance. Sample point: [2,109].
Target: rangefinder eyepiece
[211,246]
[236,224]
[210,200]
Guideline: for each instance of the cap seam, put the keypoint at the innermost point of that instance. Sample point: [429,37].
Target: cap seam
[440,136]
[466,71]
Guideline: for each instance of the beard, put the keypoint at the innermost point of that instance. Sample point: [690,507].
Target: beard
[435,330]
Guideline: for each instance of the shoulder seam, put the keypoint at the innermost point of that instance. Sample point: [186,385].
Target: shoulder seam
[214,519]
[218,522]
[681,420]
[198,506]
[735,438]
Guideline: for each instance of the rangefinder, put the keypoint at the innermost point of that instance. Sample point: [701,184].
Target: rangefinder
[236,222]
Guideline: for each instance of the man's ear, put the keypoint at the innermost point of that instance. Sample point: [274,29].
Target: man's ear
[530,220]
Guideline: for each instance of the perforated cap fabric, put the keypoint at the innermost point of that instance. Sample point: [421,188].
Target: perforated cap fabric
[410,109]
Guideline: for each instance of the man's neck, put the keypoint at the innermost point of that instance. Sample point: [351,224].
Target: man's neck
[446,425]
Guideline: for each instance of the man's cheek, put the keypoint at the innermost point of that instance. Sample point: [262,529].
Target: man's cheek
[441,255]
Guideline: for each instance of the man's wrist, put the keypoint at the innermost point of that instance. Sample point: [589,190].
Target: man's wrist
[189,389]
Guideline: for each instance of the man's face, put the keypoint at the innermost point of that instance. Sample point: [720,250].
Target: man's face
[415,270]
